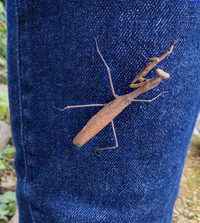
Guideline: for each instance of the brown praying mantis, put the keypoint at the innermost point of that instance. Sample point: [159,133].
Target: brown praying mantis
[115,107]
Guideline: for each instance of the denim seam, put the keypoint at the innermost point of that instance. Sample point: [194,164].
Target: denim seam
[21,109]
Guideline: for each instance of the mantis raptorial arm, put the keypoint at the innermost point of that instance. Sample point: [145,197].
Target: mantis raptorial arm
[149,67]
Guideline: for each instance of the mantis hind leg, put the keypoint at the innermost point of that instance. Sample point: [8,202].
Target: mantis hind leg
[116,142]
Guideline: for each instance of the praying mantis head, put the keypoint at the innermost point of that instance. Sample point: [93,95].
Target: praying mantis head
[162,74]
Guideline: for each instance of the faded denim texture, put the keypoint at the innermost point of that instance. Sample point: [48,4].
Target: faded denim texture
[53,61]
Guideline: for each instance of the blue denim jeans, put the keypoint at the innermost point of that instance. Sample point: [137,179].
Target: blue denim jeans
[53,61]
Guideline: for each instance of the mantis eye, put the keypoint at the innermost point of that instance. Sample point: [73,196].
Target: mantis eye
[162,74]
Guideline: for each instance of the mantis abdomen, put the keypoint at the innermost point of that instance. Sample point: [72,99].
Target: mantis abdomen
[100,120]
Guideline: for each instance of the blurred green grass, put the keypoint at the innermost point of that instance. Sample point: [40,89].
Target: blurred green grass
[187,206]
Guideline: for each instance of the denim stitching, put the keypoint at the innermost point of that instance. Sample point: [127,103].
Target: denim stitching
[21,109]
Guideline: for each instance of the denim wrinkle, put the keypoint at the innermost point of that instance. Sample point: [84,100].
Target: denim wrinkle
[23,145]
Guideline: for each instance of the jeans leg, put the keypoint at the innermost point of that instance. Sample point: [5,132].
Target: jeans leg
[53,61]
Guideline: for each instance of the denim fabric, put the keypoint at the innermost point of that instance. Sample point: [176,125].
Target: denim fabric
[53,61]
